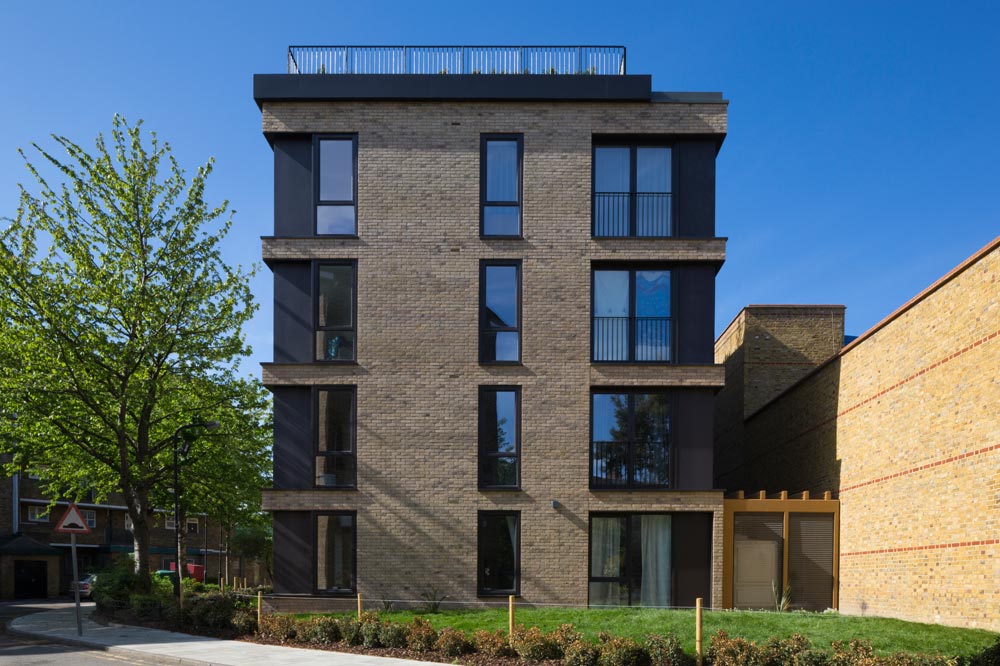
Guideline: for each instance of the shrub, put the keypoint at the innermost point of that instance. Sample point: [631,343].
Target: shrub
[604,636]
[145,606]
[452,642]
[782,651]
[622,652]
[244,621]
[901,659]
[392,635]
[565,636]
[322,630]
[853,653]
[370,633]
[113,587]
[988,657]
[211,611]
[726,651]
[812,658]
[493,643]
[665,650]
[280,628]
[581,653]
[350,631]
[534,645]
[420,635]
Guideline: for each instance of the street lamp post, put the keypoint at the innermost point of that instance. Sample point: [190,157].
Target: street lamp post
[206,425]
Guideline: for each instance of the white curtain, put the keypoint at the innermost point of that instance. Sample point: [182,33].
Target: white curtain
[655,583]
[605,559]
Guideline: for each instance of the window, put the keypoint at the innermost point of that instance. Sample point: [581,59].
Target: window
[500,189]
[630,560]
[499,553]
[38,514]
[335,434]
[90,516]
[169,523]
[499,436]
[630,439]
[128,523]
[631,315]
[500,312]
[336,547]
[192,525]
[336,311]
[632,191]
[336,185]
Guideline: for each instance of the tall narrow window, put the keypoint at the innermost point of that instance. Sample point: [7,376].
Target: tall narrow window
[336,462]
[336,547]
[499,436]
[335,311]
[500,312]
[500,185]
[336,186]
[499,549]
[632,191]
[631,315]
[630,439]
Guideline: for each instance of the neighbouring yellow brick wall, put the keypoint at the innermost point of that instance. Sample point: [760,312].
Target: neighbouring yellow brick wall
[905,425]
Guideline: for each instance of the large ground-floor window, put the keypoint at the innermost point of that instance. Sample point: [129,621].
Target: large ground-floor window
[499,546]
[335,552]
[649,559]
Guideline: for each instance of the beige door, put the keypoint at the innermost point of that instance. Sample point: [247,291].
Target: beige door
[757,568]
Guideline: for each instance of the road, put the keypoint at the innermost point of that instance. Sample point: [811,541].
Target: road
[20,650]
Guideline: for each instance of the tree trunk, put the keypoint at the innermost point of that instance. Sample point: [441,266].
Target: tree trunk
[139,514]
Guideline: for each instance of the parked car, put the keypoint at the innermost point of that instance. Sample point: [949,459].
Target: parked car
[86,586]
[165,573]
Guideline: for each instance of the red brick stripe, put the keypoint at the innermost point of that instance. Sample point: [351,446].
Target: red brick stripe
[936,463]
[933,546]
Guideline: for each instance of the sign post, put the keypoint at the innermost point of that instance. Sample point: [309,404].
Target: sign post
[73,523]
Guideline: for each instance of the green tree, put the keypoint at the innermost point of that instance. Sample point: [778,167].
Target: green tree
[120,320]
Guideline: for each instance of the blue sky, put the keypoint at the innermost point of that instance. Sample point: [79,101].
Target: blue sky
[858,169]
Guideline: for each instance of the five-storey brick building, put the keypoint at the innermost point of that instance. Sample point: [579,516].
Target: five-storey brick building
[494,274]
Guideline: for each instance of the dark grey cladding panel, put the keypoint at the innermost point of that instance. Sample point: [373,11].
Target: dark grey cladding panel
[692,439]
[691,561]
[293,320]
[695,184]
[538,87]
[293,196]
[293,441]
[695,313]
[293,552]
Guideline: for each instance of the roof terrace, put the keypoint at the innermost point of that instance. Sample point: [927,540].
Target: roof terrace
[577,60]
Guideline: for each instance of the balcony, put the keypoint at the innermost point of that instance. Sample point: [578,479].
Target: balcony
[625,339]
[629,465]
[577,60]
[632,215]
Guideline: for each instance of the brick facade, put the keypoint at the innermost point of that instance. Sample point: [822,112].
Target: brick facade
[903,425]
[417,374]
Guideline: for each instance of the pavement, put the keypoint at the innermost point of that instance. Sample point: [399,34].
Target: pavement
[157,646]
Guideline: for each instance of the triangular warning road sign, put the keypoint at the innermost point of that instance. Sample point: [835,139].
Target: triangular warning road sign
[72,522]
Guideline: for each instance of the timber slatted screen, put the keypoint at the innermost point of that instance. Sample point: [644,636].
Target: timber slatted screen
[810,560]
[758,542]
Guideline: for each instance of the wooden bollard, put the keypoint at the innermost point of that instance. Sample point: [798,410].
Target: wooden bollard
[360,606]
[260,606]
[510,619]
[697,630]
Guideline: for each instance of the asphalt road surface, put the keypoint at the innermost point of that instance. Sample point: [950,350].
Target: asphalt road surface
[20,650]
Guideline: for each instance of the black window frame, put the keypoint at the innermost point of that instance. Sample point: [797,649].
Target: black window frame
[630,556]
[484,140]
[317,329]
[480,591]
[633,143]
[484,392]
[316,416]
[314,522]
[633,268]
[484,329]
[317,199]
[631,486]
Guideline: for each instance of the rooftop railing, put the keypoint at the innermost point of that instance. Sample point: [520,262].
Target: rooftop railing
[602,60]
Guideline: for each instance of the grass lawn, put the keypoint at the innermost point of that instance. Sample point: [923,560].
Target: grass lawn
[886,635]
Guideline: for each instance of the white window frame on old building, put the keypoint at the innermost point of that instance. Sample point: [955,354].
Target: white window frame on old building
[90,516]
[38,514]
[169,524]
[128,523]
[195,522]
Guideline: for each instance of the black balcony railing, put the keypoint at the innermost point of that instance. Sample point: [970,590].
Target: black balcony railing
[601,60]
[623,215]
[644,464]
[645,339]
